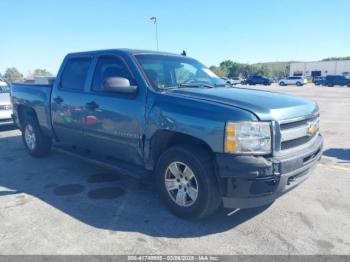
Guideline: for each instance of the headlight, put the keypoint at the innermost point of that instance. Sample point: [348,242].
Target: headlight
[248,137]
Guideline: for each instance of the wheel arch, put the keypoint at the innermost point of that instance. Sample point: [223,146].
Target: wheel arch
[23,112]
[165,139]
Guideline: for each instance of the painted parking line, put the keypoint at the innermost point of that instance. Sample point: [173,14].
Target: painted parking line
[335,166]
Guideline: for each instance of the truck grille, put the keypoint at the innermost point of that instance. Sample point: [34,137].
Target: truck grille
[298,133]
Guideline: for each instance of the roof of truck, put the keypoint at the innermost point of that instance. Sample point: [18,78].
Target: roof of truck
[125,50]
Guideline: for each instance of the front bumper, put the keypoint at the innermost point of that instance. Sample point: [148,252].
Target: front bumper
[252,181]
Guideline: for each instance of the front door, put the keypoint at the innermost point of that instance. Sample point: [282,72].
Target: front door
[114,121]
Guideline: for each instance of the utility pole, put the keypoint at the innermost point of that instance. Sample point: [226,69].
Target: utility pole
[154,18]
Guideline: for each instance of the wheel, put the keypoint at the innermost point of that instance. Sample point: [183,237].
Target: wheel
[35,141]
[298,84]
[186,182]
[282,84]
[329,85]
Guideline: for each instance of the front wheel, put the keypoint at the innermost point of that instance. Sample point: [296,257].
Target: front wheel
[186,181]
[36,143]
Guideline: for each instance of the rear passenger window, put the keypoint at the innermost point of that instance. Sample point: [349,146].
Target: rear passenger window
[75,73]
[110,66]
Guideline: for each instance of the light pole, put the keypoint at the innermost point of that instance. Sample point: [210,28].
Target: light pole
[154,18]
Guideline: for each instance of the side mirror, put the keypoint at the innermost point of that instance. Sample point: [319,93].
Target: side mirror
[118,85]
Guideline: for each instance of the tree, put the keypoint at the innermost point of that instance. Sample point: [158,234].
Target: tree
[13,75]
[220,71]
[41,72]
[336,58]
[227,63]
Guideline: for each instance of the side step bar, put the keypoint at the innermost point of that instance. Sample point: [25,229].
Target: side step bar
[119,166]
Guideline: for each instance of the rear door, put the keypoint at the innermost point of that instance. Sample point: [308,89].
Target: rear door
[258,80]
[290,80]
[67,100]
[114,124]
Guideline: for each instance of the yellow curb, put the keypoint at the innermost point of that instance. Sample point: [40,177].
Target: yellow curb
[334,166]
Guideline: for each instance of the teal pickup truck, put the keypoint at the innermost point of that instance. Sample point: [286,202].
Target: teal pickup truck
[158,114]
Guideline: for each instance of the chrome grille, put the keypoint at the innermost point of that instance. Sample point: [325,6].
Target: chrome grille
[298,132]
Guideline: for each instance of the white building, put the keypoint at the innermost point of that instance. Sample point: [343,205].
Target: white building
[312,69]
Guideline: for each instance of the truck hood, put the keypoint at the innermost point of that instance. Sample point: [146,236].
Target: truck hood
[264,104]
[5,99]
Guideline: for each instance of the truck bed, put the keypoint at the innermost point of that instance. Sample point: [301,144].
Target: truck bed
[36,97]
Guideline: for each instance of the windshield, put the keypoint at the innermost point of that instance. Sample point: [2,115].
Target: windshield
[4,88]
[165,71]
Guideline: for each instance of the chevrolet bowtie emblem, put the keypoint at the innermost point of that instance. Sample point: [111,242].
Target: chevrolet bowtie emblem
[312,129]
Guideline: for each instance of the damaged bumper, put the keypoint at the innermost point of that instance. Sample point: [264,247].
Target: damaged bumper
[253,181]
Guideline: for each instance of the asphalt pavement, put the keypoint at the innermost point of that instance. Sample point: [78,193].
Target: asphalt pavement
[63,205]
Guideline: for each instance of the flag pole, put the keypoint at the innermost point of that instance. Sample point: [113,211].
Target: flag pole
[154,19]
[157,35]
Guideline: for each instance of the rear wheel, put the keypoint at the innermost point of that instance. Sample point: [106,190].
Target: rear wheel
[298,84]
[36,143]
[185,178]
[282,84]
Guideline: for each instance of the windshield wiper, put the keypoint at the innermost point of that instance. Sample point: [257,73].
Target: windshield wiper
[196,85]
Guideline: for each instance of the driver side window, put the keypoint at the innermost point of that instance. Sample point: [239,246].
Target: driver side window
[110,66]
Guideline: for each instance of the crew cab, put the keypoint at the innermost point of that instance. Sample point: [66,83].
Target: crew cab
[293,80]
[164,115]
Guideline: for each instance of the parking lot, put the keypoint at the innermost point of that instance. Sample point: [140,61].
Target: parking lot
[64,205]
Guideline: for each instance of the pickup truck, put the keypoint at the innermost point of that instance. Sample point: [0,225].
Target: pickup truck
[168,116]
[332,80]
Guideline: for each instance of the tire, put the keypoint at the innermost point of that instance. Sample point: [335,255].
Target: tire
[298,84]
[282,84]
[36,143]
[203,201]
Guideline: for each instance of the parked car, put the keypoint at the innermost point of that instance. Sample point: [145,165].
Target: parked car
[332,80]
[293,80]
[5,104]
[232,81]
[318,80]
[257,80]
[227,80]
[236,81]
[158,114]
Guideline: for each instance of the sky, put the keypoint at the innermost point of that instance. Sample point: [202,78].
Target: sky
[39,33]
